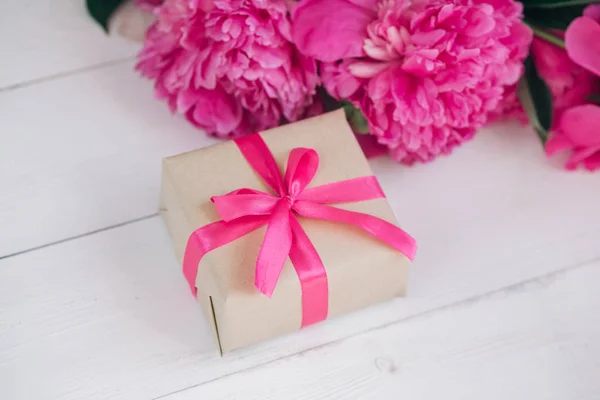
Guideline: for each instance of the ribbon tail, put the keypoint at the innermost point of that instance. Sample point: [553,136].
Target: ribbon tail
[312,275]
[212,236]
[274,249]
[382,230]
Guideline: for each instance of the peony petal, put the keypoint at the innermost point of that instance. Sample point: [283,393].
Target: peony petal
[570,165]
[558,143]
[592,11]
[379,87]
[366,69]
[368,4]
[430,38]
[330,30]
[206,5]
[479,22]
[377,52]
[215,111]
[185,100]
[337,80]
[592,163]
[582,44]
[581,125]
[581,155]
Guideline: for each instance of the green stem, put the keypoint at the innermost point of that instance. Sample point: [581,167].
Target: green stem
[547,36]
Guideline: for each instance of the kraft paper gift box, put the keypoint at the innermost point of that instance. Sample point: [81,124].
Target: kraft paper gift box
[361,270]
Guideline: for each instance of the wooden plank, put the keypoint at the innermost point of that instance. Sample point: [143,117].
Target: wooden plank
[41,38]
[537,340]
[108,316]
[90,157]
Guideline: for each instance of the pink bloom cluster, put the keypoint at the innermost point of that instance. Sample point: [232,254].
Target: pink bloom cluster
[577,120]
[425,74]
[229,65]
[571,76]
[569,84]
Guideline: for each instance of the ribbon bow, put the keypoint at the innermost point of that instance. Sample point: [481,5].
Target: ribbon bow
[244,210]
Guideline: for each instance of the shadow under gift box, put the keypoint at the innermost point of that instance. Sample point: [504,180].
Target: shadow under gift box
[361,270]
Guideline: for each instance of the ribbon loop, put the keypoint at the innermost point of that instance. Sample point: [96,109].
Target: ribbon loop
[301,168]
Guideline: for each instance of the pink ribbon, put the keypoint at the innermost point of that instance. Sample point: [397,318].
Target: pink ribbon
[244,210]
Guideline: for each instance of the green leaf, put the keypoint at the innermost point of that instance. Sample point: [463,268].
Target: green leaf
[355,118]
[102,10]
[329,102]
[553,18]
[536,99]
[358,122]
[555,3]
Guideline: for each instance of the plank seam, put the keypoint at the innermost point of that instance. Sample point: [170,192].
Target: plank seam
[71,238]
[64,74]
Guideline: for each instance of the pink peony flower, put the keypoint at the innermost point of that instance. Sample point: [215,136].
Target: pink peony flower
[232,70]
[565,72]
[577,123]
[580,39]
[569,84]
[425,74]
[578,132]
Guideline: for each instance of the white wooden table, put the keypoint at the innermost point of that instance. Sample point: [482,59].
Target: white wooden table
[504,297]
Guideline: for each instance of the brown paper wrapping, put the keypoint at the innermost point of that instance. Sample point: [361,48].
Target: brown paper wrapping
[361,270]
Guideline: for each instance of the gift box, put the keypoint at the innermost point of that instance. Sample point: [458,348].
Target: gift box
[266,246]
